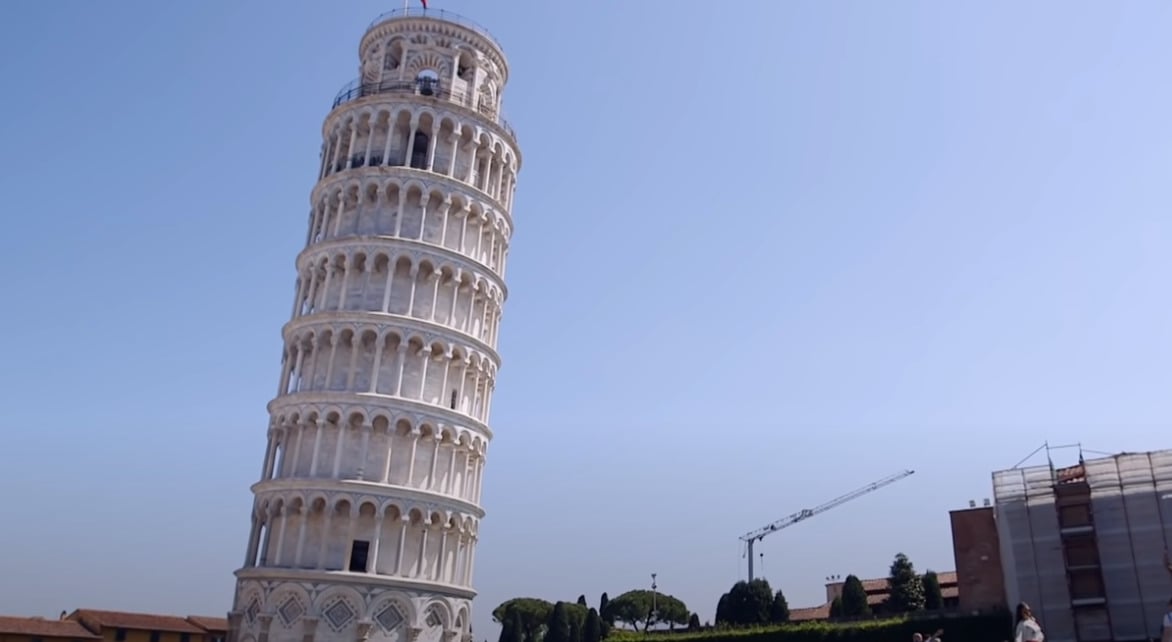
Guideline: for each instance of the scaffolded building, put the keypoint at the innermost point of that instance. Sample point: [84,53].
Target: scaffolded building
[1084,545]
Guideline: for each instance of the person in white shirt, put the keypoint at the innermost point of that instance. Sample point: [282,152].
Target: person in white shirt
[935,637]
[1166,630]
[1027,628]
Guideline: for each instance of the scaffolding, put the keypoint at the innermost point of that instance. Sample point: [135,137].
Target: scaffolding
[1031,547]
[1084,545]
[1129,495]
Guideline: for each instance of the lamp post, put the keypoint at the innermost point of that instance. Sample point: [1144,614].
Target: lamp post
[654,607]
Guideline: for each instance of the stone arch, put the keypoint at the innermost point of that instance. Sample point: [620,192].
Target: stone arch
[252,603]
[393,509]
[436,613]
[289,602]
[400,602]
[463,619]
[339,608]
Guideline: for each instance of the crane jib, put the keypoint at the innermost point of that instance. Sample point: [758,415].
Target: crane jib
[754,536]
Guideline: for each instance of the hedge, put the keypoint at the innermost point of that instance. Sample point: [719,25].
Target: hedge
[968,628]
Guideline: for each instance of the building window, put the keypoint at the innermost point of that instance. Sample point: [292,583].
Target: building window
[120,635]
[428,82]
[418,158]
[1081,552]
[184,637]
[1085,585]
[35,640]
[1074,516]
[358,554]
[154,636]
[453,400]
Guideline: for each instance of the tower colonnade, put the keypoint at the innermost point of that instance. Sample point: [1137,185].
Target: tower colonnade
[367,512]
[415,211]
[425,139]
[413,285]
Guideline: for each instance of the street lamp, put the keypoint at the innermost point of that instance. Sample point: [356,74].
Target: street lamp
[654,607]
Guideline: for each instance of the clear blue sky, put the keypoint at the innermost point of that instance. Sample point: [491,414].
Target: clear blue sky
[765,253]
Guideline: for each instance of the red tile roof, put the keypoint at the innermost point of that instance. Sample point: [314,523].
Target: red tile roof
[40,627]
[98,620]
[209,624]
[811,613]
[876,594]
[946,578]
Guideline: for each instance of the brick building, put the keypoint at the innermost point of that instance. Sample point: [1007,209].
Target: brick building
[39,629]
[976,549]
[90,625]
[877,593]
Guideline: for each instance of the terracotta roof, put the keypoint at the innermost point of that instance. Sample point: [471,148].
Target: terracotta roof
[209,624]
[97,620]
[811,613]
[880,584]
[40,627]
[876,594]
[945,591]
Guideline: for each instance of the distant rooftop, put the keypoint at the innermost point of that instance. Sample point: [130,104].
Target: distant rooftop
[38,627]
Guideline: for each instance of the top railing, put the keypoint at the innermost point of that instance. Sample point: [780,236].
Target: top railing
[428,87]
[438,14]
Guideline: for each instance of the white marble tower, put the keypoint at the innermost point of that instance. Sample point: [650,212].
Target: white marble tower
[365,519]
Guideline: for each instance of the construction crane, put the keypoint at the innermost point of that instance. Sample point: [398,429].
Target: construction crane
[752,537]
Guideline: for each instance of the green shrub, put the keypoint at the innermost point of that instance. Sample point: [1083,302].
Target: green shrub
[973,628]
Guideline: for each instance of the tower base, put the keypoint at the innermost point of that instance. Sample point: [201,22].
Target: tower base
[312,611]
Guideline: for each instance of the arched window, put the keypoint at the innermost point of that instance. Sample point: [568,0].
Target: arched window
[427,82]
[419,151]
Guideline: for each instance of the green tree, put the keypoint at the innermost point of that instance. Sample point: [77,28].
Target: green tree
[836,607]
[647,607]
[779,609]
[512,629]
[694,622]
[582,600]
[746,604]
[592,631]
[905,589]
[602,612]
[933,597]
[534,614]
[558,627]
[577,616]
[854,598]
[723,610]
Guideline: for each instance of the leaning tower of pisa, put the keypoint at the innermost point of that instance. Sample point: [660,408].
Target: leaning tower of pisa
[365,518]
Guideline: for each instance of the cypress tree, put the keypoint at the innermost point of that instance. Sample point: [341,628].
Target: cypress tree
[906,589]
[779,609]
[558,628]
[836,607]
[933,597]
[515,625]
[605,614]
[854,598]
[592,632]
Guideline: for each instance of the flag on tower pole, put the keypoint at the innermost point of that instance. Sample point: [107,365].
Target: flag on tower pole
[407,4]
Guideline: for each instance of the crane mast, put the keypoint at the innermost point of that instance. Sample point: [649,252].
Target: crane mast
[755,536]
